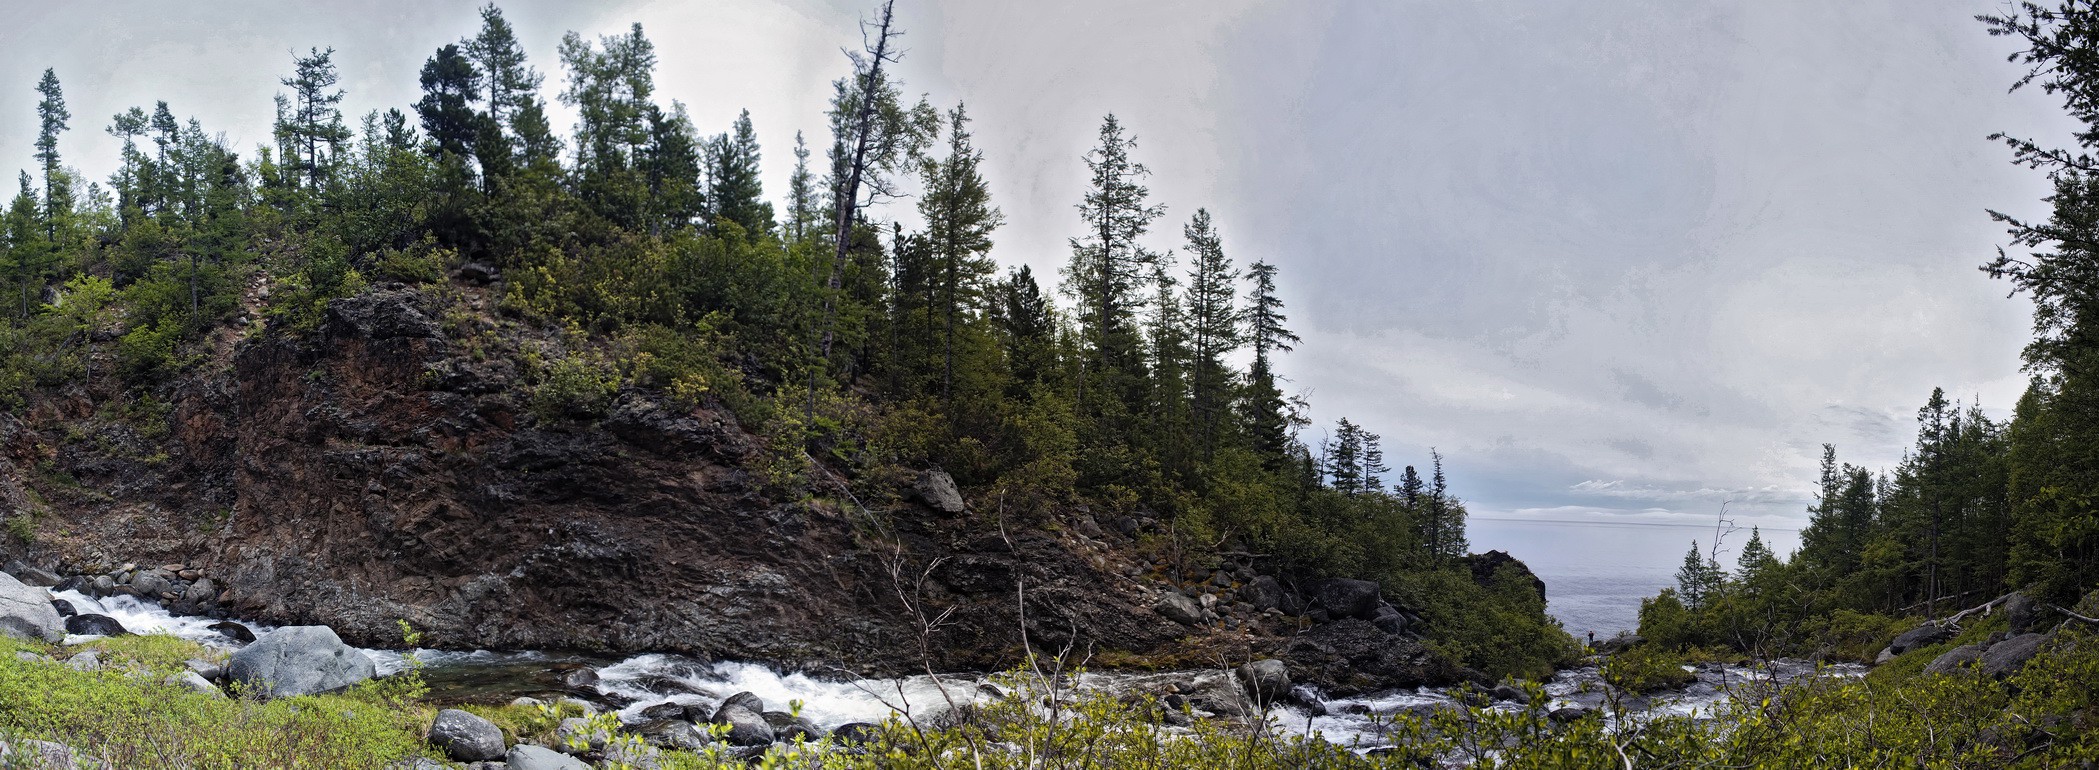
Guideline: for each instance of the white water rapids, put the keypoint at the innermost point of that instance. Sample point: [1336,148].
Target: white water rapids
[644,680]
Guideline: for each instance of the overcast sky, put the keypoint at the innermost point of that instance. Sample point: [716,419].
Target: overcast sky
[1616,259]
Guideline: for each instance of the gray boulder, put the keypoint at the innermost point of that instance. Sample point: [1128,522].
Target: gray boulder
[746,727]
[1922,636]
[787,727]
[2005,658]
[1390,620]
[745,699]
[43,755]
[1264,593]
[195,682]
[1954,659]
[151,583]
[529,757]
[1267,681]
[1179,609]
[2021,613]
[672,734]
[1348,598]
[576,736]
[939,492]
[378,315]
[1509,693]
[26,612]
[299,660]
[40,578]
[465,737]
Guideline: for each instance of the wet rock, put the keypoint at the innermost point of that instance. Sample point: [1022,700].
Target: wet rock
[100,586]
[100,625]
[1567,714]
[746,727]
[854,733]
[1348,598]
[1267,681]
[233,630]
[2005,658]
[672,734]
[937,490]
[465,737]
[1922,636]
[78,583]
[151,584]
[529,757]
[1509,693]
[747,700]
[65,608]
[1218,693]
[575,735]
[299,660]
[787,727]
[1952,660]
[26,612]
[40,578]
[580,679]
[1179,609]
[664,710]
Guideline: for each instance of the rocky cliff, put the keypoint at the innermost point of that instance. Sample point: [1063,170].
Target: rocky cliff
[385,467]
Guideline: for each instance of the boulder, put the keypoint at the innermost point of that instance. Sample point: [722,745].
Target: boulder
[528,757]
[746,727]
[632,755]
[102,585]
[1567,714]
[151,583]
[76,583]
[938,491]
[195,682]
[746,699]
[580,679]
[1922,636]
[40,578]
[233,630]
[1218,693]
[1952,660]
[1620,643]
[852,733]
[1179,609]
[465,737]
[1348,598]
[1886,654]
[99,625]
[575,735]
[65,608]
[672,734]
[299,660]
[1267,681]
[2005,658]
[2021,613]
[478,273]
[787,727]
[664,710]
[26,612]
[1264,593]
[1390,620]
[1509,693]
[419,763]
[88,660]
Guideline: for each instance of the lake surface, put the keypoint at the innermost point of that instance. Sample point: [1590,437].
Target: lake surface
[1596,572]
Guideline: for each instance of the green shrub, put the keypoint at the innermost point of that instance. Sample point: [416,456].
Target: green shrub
[1647,668]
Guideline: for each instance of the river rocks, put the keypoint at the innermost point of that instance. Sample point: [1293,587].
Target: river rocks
[1218,693]
[26,612]
[299,660]
[1179,609]
[1509,693]
[856,733]
[152,584]
[1348,598]
[1265,593]
[937,490]
[580,679]
[233,630]
[65,608]
[465,737]
[577,736]
[99,625]
[1952,660]
[1922,636]
[1353,656]
[672,734]
[1267,681]
[529,757]
[1567,714]
[2005,658]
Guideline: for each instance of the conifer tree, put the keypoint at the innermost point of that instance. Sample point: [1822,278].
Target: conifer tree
[451,86]
[128,126]
[1267,419]
[1213,325]
[1108,266]
[52,118]
[310,127]
[610,85]
[956,205]
[1027,324]
[734,189]
[804,215]
[513,86]
[671,170]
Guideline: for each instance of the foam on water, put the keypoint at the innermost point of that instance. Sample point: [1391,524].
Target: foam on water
[828,702]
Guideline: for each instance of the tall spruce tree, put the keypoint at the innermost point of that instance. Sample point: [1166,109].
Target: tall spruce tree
[1267,417]
[956,205]
[1214,327]
[734,189]
[1108,269]
[52,117]
[310,128]
[804,206]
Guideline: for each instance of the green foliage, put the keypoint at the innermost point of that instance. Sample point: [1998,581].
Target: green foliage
[580,384]
[1646,669]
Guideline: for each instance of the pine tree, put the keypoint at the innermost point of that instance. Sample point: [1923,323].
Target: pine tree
[804,218]
[671,170]
[513,86]
[1213,326]
[610,85]
[451,86]
[128,126]
[1698,580]
[1108,266]
[1344,459]
[310,127]
[1267,417]
[956,205]
[52,118]
[1027,325]
[734,190]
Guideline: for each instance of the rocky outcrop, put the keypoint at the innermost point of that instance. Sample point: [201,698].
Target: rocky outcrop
[1485,566]
[2005,658]
[1353,656]
[1925,635]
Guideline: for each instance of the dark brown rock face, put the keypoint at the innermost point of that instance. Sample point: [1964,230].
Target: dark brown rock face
[377,471]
